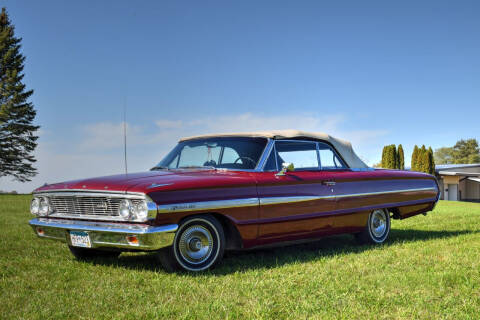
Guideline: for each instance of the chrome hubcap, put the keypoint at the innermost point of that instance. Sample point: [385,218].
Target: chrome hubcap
[378,223]
[195,244]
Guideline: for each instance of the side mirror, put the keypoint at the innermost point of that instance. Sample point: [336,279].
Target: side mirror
[286,167]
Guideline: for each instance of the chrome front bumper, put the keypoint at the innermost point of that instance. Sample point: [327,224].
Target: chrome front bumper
[107,234]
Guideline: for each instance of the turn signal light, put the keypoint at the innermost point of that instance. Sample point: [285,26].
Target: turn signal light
[133,240]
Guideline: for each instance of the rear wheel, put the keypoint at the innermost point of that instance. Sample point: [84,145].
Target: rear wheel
[377,229]
[199,244]
[88,254]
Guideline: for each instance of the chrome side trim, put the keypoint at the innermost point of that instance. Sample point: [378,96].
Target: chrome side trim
[248,202]
[279,200]
[208,205]
[384,192]
[156,185]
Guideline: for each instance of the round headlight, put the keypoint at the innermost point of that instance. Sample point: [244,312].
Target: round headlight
[125,209]
[141,210]
[44,207]
[34,206]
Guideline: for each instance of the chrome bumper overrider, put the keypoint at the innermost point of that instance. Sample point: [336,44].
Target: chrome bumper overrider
[107,234]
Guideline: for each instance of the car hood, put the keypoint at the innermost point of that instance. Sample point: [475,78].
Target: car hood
[150,181]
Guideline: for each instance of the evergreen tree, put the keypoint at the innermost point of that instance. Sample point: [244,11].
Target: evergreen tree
[389,158]
[431,160]
[395,157]
[414,162]
[423,160]
[383,162]
[401,158]
[17,139]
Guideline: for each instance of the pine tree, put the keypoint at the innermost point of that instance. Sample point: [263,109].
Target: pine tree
[383,162]
[423,160]
[388,159]
[395,156]
[17,139]
[401,158]
[431,160]
[414,163]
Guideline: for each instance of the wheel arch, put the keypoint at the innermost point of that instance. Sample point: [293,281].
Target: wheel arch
[232,235]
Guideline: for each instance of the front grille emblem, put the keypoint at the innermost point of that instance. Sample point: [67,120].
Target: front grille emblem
[101,206]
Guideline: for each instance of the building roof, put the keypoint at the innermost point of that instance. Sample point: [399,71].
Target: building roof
[474,179]
[343,147]
[458,173]
[442,167]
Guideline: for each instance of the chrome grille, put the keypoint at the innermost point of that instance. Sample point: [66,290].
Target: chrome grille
[86,205]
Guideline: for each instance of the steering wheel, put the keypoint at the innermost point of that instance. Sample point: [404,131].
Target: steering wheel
[246,158]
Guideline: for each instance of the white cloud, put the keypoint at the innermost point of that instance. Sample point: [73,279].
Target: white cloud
[99,150]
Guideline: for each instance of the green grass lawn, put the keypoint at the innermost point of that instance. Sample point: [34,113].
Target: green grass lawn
[429,268]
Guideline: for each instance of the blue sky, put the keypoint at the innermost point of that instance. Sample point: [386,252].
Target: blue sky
[374,73]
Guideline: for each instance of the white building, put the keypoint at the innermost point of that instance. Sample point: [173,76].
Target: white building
[459,182]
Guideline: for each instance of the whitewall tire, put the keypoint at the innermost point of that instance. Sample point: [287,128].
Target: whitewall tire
[199,245]
[377,229]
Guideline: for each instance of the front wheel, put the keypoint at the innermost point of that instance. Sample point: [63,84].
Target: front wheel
[377,229]
[199,244]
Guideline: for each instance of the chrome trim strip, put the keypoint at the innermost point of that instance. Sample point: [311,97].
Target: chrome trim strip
[123,193]
[68,193]
[383,192]
[156,185]
[278,200]
[102,227]
[248,202]
[92,217]
[208,205]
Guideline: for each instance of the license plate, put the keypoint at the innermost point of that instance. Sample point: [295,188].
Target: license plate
[80,239]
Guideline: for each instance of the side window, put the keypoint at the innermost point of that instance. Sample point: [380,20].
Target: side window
[328,159]
[302,154]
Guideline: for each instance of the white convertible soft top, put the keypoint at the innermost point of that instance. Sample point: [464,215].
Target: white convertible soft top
[343,147]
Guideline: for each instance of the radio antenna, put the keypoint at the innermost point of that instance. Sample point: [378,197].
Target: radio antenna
[125,133]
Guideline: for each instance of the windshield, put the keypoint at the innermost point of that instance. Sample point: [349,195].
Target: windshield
[227,153]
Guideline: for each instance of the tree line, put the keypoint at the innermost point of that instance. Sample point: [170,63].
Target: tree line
[422,160]
[465,151]
[394,158]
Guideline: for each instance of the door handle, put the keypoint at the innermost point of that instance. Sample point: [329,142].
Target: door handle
[328,183]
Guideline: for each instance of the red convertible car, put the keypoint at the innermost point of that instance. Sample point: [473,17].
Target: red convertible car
[217,192]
